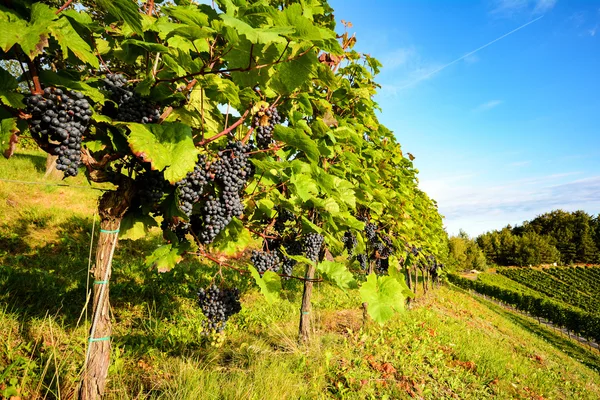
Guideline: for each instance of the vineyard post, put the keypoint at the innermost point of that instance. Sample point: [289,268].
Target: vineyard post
[111,209]
[365,305]
[304,328]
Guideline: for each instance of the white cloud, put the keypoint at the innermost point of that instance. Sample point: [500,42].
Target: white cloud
[543,6]
[593,31]
[510,8]
[577,18]
[399,58]
[519,164]
[487,105]
[479,207]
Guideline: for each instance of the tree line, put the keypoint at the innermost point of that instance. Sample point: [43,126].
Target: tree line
[555,237]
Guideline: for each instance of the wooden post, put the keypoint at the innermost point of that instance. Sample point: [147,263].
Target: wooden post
[305,317]
[111,209]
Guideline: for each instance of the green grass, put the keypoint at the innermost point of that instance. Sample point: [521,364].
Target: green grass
[449,345]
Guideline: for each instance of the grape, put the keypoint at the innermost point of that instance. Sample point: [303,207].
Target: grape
[371,232]
[264,122]
[349,241]
[284,215]
[264,261]
[230,173]
[131,107]
[218,305]
[60,119]
[414,251]
[152,186]
[312,246]
[288,265]
[382,266]
[362,260]
[192,186]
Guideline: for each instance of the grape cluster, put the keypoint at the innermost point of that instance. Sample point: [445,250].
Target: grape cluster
[229,172]
[362,260]
[349,241]
[312,246]
[287,266]
[218,305]
[60,119]
[264,122]
[151,186]
[264,261]
[371,232]
[382,266]
[415,250]
[131,107]
[192,186]
[283,216]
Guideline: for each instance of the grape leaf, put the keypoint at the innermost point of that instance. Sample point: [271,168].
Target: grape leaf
[59,80]
[164,258]
[8,96]
[136,226]
[269,284]
[395,271]
[338,273]
[384,297]
[304,186]
[292,74]
[68,38]
[255,35]
[168,146]
[233,239]
[148,46]
[124,10]
[297,139]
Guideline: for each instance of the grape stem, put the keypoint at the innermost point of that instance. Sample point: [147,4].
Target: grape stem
[243,271]
[226,131]
[67,3]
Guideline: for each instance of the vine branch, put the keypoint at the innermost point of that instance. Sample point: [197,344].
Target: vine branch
[238,69]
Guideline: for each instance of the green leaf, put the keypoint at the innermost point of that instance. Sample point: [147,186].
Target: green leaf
[298,140]
[8,130]
[233,239]
[164,259]
[136,226]
[304,186]
[269,284]
[255,35]
[168,146]
[338,273]
[124,10]
[292,74]
[8,96]
[53,78]
[383,296]
[395,272]
[148,46]
[68,38]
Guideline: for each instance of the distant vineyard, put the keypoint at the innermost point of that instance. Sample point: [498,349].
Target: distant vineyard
[576,286]
[584,323]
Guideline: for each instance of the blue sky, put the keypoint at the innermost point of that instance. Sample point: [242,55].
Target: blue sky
[507,132]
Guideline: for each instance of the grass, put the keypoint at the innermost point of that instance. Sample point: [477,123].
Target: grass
[449,345]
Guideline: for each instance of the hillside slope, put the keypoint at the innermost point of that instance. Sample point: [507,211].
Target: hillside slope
[449,345]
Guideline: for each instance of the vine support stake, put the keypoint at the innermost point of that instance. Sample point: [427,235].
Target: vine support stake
[305,317]
[111,209]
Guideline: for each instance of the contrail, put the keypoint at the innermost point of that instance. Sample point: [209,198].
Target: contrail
[467,55]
